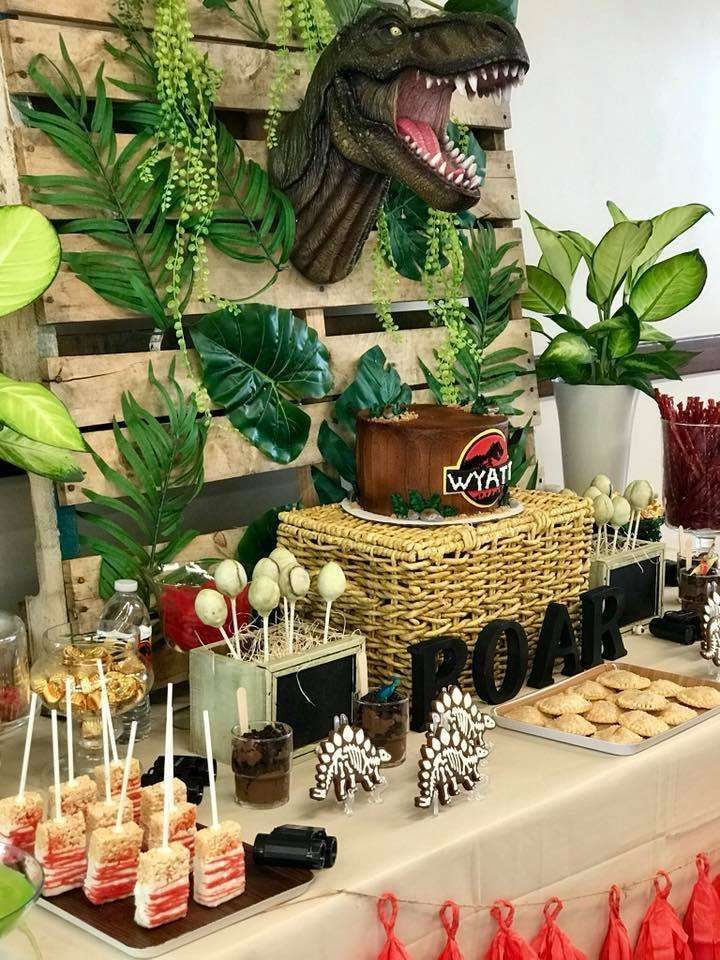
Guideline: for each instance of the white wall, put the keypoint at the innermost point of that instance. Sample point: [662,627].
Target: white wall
[621,103]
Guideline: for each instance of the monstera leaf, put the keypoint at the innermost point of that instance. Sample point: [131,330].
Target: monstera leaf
[29,257]
[256,360]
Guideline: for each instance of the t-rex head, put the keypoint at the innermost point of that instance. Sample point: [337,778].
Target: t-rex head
[376,109]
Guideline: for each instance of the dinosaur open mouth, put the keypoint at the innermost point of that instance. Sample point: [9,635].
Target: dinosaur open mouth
[422,109]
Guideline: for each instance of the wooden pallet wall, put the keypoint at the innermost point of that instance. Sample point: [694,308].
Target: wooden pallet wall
[33,344]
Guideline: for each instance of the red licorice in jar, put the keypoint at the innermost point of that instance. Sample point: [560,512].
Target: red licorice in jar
[182,628]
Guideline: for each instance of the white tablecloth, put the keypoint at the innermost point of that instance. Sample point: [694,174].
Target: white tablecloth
[557,820]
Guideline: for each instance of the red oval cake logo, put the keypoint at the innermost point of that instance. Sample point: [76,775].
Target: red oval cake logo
[482,473]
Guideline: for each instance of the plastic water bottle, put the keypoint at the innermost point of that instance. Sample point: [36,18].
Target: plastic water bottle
[125,617]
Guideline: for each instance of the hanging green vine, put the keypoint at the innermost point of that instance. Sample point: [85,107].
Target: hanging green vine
[130,13]
[316,29]
[384,275]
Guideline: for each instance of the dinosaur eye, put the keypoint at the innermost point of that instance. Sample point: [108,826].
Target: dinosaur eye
[395,31]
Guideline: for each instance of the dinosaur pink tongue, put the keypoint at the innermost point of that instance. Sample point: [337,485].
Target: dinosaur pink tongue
[420,133]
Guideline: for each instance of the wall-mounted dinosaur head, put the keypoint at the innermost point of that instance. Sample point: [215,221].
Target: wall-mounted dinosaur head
[376,109]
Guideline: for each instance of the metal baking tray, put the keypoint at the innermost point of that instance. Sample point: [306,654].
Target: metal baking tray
[590,743]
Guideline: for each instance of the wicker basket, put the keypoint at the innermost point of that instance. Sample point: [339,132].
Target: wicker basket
[406,584]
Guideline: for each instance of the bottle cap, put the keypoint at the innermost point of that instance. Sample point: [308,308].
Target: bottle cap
[126,586]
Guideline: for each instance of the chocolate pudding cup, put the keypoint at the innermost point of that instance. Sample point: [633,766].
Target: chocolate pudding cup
[386,722]
[261,758]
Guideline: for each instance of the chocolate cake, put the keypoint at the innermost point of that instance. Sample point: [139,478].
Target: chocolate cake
[461,456]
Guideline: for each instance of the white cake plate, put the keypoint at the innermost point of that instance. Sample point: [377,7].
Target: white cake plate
[481,516]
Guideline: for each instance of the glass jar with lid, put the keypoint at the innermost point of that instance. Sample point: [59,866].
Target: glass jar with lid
[14,673]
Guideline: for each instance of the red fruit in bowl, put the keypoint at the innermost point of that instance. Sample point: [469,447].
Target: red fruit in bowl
[182,628]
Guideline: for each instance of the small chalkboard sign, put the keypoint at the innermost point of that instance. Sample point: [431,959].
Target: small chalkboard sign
[640,574]
[309,699]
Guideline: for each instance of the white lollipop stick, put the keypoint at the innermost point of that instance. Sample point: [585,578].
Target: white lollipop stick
[26,751]
[242,709]
[56,763]
[106,751]
[211,775]
[168,771]
[105,708]
[615,539]
[287,619]
[266,638]
[327,621]
[291,638]
[69,686]
[126,776]
[230,645]
[236,629]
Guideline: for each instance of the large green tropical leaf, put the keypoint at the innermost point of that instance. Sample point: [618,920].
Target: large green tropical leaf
[377,385]
[624,338]
[556,258]
[256,359]
[668,287]
[29,256]
[38,458]
[567,356]
[666,227]
[544,293]
[33,411]
[614,255]
[142,527]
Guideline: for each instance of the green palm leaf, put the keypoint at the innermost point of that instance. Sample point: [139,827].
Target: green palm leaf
[142,529]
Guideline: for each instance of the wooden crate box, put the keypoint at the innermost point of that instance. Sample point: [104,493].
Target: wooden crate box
[407,584]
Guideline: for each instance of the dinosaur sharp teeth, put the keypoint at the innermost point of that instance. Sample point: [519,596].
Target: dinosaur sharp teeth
[435,160]
[473,81]
[459,177]
[460,158]
[455,153]
[450,176]
[460,85]
[506,69]
[407,138]
[428,82]
[425,155]
[496,72]
[514,69]
[449,144]
[471,169]
[466,161]
[442,168]
[483,74]
[475,182]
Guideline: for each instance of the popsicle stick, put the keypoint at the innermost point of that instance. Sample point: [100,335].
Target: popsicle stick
[287,618]
[126,776]
[105,707]
[230,645]
[266,639]
[327,621]
[211,775]
[168,770]
[69,687]
[106,750]
[242,709]
[56,763]
[236,629]
[26,751]
[291,638]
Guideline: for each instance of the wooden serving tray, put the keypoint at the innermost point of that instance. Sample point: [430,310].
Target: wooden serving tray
[589,743]
[113,923]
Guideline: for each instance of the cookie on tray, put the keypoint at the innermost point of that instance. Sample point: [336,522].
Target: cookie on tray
[527,713]
[590,690]
[623,735]
[603,711]
[561,703]
[666,688]
[602,730]
[642,723]
[641,700]
[704,698]
[572,723]
[623,680]
[677,713]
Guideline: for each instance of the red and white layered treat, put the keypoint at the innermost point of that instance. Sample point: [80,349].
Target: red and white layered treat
[183,827]
[104,814]
[60,849]
[19,817]
[162,890]
[113,859]
[219,865]
[75,795]
[134,790]
[151,801]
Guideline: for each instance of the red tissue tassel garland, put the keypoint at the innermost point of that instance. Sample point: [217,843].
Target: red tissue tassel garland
[393,949]
[451,950]
[552,943]
[507,944]
[702,917]
[616,945]
[661,934]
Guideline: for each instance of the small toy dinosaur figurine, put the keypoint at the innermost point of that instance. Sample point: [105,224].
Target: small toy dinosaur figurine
[346,760]
[376,108]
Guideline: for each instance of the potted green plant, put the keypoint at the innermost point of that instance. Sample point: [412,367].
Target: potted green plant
[599,368]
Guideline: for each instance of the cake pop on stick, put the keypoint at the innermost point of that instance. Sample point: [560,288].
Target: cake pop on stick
[641,494]
[266,567]
[603,509]
[331,585]
[622,511]
[21,813]
[603,484]
[284,558]
[231,580]
[211,609]
[294,584]
[264,596]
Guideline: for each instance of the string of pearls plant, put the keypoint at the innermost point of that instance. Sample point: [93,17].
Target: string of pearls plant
[278,576]
[316,29]
[384,275]
[443,287]
[186,88]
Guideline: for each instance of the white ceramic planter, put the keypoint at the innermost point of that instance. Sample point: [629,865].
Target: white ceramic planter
[595,432]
